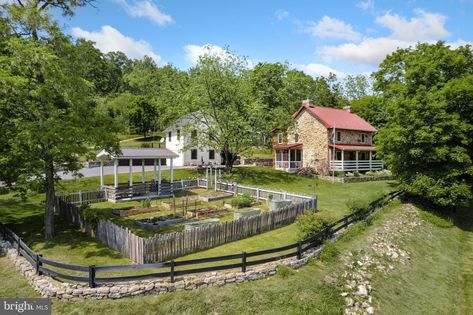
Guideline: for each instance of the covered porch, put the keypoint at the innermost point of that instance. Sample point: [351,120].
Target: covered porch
[288,157]
[353,158]
[141,190]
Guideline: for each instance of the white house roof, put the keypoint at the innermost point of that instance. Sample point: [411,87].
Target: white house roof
[144,153]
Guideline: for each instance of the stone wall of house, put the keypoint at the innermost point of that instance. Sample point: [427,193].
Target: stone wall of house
[354,137]
[314,137]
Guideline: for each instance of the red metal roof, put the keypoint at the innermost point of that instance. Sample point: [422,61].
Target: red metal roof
[339,118]
[287,146]
[353,147]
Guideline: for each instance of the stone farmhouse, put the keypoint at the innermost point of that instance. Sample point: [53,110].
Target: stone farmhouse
[178,139]
[326,139]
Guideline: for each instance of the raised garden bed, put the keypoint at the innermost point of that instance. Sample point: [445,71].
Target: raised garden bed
[246,213]
[278,204]
[199,224]
[179,204]
[156,223]
[205,212]
[215,198]
[129,211]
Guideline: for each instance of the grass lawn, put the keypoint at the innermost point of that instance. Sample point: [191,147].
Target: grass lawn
[437,280]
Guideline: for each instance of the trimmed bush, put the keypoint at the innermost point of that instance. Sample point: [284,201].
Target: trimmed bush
[311,223]
[94,216]
[241,201]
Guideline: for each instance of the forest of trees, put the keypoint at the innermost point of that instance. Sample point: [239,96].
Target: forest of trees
[62,99]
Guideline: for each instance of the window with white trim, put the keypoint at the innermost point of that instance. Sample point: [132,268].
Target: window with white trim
[280,138]
[194,154]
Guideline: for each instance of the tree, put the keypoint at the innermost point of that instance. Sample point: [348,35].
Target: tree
[371,108]
[427,141]
[142,115]
[219,100]
[48,114]
[356,87]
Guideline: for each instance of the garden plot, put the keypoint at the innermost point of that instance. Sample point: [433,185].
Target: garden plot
[187,210]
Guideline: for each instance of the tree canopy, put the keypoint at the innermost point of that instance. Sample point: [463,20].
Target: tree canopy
[427,139]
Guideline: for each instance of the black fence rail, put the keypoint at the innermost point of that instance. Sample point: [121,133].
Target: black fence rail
[94,275]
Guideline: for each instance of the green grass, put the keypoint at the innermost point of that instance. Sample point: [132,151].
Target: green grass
[260,153]
[138,141]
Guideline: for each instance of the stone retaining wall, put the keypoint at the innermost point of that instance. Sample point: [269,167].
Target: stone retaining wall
[50,288]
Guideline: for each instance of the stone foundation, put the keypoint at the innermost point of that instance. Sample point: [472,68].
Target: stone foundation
[51,288]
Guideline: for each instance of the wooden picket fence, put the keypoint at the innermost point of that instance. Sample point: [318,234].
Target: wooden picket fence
[168,246]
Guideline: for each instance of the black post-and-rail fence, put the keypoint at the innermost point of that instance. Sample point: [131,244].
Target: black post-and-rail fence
[92,274]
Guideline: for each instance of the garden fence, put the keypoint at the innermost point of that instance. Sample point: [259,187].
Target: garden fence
[170,269]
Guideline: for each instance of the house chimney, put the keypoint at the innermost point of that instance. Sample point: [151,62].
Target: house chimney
[308,102]
[348,109]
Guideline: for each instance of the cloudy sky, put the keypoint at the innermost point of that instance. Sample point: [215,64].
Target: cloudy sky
[343,37]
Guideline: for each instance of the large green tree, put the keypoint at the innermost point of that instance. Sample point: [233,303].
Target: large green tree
[428,138]
[219,101]
[47,109]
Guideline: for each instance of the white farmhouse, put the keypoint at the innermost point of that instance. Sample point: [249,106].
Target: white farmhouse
[177,140]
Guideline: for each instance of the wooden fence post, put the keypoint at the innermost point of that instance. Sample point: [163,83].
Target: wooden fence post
[18,246]
[172,271]
[243,262]
[38,264]
[299,250]
[92,276]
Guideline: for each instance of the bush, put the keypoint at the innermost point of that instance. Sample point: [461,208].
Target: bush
[284,271]
[329,251]
[340,174]
[371,173]
[241,201]
[311,223]
[270,197]
[146,203]
[360,206]
[356,174]
[94,216]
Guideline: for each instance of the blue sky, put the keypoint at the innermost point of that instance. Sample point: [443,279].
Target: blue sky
[345,37]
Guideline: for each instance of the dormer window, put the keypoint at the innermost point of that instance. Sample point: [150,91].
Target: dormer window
[280,138]
[296,138]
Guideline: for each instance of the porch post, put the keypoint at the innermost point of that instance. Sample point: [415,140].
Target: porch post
[131,172]
[343,157]
[154,171]
[101,174]
[115,173]
[370,159]
[289,159]
[356,159]
[143,171]
[159,171]
[171,170]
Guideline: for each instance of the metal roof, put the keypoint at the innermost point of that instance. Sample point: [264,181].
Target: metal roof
[339,118]
[142,153]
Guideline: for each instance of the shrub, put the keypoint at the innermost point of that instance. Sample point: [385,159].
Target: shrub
[340,174]
[311,223]
[329,251]
[371,173]
[270,197]
[94,216]
[146,203]
[356,174]
[241,201]
[285,271]
[360,206]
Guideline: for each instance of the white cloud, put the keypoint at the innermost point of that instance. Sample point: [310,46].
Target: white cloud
[423,27]
[193,52]
[366,5]
[147,9]
[317,69]
[281,14]
[109,39]
[331,28]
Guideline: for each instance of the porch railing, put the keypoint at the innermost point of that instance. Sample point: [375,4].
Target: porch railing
[287,164]
[354,166]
